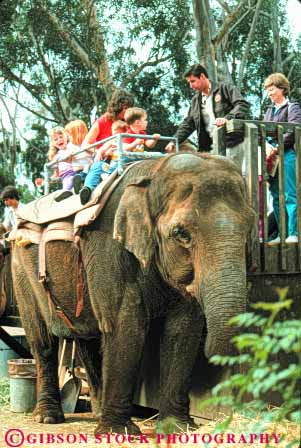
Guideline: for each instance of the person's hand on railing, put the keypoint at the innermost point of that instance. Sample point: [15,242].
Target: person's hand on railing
[109,152]
[139,141]
[156,136]
[99,154]
[171,147]
[55,174]
[151,142]
[220,121]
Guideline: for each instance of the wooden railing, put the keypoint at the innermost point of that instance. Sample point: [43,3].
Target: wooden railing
[283,257]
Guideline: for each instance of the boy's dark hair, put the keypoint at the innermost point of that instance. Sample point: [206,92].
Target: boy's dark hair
[133,113]
[196,70]
[10,192]
[119,100]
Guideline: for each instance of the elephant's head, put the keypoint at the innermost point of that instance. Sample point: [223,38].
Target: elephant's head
[191,217]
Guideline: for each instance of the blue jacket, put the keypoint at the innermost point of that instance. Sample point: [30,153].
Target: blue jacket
[288,113]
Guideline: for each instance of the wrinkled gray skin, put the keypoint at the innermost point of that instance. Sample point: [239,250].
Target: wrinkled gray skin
[180,226]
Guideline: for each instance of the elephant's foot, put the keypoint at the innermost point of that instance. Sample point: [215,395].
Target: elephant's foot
[174,424]
[49,414]
[105,427]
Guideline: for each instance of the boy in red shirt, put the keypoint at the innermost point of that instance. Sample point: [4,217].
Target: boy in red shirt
[136,119]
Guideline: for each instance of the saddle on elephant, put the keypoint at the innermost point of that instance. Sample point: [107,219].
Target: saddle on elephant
[45,220]
[37,215]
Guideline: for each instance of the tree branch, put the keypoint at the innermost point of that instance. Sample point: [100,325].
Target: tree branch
[277,62]
[290,74]
[35,91]
[204,32]
[289,58]
[63,103]
[225,6]
[29,109]
[12,147]
[228,22]
[248,44]
[141,67]
[240,20]
[102,70]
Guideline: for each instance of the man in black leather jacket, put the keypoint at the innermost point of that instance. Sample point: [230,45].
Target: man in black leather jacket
[212,105]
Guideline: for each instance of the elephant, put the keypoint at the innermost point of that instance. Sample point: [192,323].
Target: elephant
[169,244]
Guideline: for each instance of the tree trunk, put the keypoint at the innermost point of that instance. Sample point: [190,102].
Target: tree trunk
[248,45]
[277,58]
[204,47]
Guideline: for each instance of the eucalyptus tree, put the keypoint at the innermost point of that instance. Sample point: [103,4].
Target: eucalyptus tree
[242,41]
[68,57]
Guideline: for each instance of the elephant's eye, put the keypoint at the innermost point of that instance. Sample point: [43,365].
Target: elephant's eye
[182,236]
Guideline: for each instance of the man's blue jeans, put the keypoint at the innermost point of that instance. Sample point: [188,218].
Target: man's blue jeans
[290,192]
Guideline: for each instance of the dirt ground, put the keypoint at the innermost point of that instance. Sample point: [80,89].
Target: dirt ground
[19,430]
[77,431]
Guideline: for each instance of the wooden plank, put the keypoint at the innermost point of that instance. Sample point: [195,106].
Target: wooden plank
[282,213]
[234,125]
[219,141]
[251,153]
[264,175]
[271,258]
[14,344]
[298,186]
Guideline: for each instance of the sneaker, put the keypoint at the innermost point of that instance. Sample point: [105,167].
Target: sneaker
[77,183]
[63,195]
[84,195]
[292,239]
[274,241]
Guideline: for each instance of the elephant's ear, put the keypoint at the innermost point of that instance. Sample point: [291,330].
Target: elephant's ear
[133,225]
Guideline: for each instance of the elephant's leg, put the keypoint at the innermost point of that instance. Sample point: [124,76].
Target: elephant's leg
[89,352]
[48,408]
[33,308]
[178,352]
[45,351]
[122,351]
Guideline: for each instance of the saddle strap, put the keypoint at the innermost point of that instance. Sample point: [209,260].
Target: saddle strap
[42,257]
[52,301]
[80,285]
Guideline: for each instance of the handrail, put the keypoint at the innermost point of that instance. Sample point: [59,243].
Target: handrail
[276,258]
[122,155]
[235,124]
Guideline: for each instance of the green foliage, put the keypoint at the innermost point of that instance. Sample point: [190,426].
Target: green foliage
[4,391]
[58,53]
[261,365]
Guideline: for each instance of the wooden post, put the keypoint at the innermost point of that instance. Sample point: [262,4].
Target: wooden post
[298,188]
[282,217]
[264,191]
[251,153]
[219,143]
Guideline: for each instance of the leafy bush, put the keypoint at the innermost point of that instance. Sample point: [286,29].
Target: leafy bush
[4,392]
[267,339]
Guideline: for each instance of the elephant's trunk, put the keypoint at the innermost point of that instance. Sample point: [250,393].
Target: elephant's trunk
[223,300]
[221,293]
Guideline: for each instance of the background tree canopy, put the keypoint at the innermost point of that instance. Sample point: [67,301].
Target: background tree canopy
[61,60]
